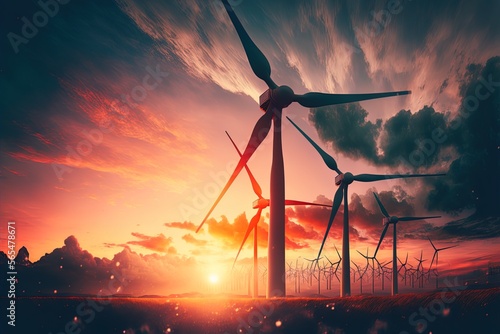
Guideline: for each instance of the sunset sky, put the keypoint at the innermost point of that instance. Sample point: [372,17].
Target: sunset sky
[76,160]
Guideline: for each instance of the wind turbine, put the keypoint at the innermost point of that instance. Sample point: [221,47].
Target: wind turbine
[403,266]
[343,180]
[383,271]
[260,203]
[360,275]
[420,270]
[373,258]
[394,220]
[273,101]
[336,264]
[436,255]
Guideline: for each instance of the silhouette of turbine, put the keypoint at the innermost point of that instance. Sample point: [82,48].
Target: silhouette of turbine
[343,180]
[436,255]
[260,203]
[273,101]
[394,220]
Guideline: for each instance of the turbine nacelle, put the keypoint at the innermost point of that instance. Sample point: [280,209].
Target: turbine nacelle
[281,96]
[347,178]
[390,220]
[260,203]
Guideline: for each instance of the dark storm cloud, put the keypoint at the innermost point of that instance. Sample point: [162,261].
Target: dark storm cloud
[473,180]
[466,229]
[421,141]
[346,128]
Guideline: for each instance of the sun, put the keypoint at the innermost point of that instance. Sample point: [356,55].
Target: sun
[213,278]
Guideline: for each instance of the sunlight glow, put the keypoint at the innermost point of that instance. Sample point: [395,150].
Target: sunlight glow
[213,278]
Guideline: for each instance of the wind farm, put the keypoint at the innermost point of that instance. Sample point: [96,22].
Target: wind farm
[368,137]
[273,101]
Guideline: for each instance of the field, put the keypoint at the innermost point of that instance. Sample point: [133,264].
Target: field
[447,311]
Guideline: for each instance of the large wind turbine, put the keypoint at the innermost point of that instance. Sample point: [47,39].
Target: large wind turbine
[273,101]
[436,255]
[343,180]
[260,203]
[394,220]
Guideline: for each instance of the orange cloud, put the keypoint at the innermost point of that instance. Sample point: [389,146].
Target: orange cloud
[192,240]
[185,225]
[159,243]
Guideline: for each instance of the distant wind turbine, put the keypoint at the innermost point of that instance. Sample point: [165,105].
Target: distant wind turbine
[420,270]
[436,255]
[343,180]
[273,101]
[394,220]
[374,259]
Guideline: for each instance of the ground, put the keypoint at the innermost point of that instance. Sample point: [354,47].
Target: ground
[446,311]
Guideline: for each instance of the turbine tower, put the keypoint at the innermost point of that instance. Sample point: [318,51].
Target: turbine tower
[273,101]
[260,203]
[436,255]
[343,180]
[387,220]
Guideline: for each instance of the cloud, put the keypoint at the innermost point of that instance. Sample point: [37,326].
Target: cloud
[192,240]
[158,243]
[72,270]
[469,228]
[77,88]
[464,142]
[345,127]
[184,225]
[231,235]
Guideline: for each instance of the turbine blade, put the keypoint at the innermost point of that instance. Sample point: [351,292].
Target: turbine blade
[433,257]
[381,206]
[432,244]
[408,219]
[258,62]
[440,249]
[255,185]
[294,202]
[335,206]
[328,159]
[338,253]
[363,255]
[315,100]
[381,238]
[378,177]
[259,133]
[253,224]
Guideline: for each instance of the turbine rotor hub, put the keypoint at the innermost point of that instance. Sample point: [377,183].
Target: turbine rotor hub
[282,96]
[348,178]
[260,203]
[393,220]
